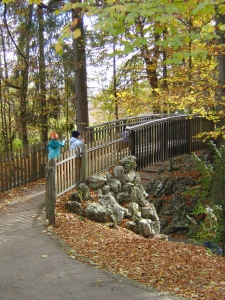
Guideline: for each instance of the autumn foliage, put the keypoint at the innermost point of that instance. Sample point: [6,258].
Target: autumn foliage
[184,269]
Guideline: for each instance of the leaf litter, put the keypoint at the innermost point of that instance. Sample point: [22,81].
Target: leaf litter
[186,270]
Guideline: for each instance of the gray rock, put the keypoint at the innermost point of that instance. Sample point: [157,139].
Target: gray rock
[119,174]
[149,212]
[129,177]
[133,208]
[114,184]
[96,212]
[120,196]
[132,226]
[75,208]
[75,197]
[106,190]
[97,181]
[145,227]
[128,163]
[113,208]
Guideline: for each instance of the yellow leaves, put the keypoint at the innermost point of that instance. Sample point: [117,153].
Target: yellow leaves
[58,48]
[30,1]
[76,33]
[99,281]
[221,112]
[110,2]
[74,22]
[207,28]
[66,30]
[35,1]
[67,7]
[67,33]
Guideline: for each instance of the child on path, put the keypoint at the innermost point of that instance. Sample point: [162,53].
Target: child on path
[75,141]
[54,145]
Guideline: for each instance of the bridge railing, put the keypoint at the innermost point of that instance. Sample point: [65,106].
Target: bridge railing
[159,140]
[27,164]
[110,131]
[173,135]
[150,142]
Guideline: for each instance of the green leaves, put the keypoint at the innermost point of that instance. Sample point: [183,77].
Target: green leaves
[205,5]
[222,27]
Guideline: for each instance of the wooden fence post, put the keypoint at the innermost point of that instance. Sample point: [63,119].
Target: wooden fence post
[189,136]
[84,163]
[50,192]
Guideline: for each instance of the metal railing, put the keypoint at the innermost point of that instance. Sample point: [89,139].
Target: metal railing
[159,140]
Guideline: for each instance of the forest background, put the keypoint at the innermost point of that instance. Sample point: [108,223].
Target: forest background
[123,58]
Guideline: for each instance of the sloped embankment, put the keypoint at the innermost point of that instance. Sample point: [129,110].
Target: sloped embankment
[167,192]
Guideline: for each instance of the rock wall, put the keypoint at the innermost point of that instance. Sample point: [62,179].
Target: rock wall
[168,193]
[117,198]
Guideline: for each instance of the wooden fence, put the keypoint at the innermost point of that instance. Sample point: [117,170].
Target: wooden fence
[22,166]
[152,138]
[75,166]
[28,164]
[150,142]
[110,131]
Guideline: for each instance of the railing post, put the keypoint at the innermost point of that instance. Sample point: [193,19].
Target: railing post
[189,137]
[33,162]
[50,192]
[164,141]
[84,163]
[132,142]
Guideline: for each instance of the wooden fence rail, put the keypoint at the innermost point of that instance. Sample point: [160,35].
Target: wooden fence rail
[22,166]
[28,164]
[152,138]
[74,166]
[150,142]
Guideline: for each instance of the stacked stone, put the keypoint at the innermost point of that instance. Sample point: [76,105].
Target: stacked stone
[121,199]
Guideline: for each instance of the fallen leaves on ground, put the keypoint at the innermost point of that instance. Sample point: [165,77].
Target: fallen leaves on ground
[183,269]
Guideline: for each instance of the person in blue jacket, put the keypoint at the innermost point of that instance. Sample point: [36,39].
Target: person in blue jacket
[54,145]
[75,141]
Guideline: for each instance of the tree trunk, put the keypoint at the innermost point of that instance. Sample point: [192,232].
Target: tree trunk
[81,102]
[115,85]
[151,61]
[44,117]
[5,126]
[25,44]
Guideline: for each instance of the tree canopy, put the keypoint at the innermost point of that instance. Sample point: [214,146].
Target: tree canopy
[165,55]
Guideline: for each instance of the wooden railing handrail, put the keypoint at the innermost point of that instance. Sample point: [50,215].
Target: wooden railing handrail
[28,164]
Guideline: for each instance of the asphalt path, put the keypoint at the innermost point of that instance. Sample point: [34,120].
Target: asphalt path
[35,265]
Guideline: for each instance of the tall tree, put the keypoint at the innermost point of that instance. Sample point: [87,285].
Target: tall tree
[81,102]
[42,75]
[22,48]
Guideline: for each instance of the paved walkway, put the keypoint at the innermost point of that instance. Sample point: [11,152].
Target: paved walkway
[34,264]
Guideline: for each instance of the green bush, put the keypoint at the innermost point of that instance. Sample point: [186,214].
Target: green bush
[17,144]
[211,203]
